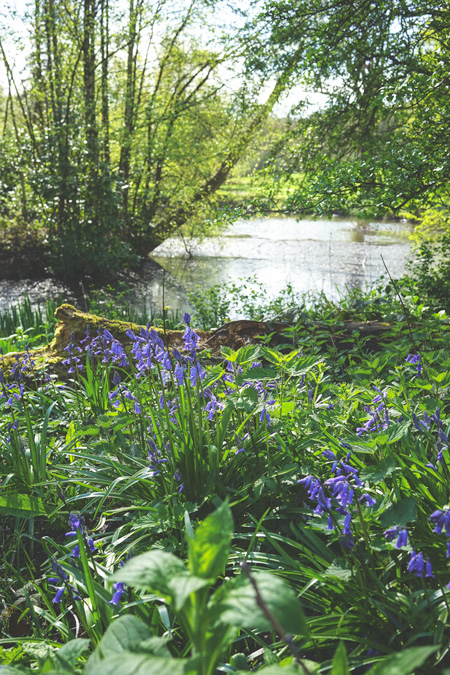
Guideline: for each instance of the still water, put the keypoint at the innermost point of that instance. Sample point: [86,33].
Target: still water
[313,255]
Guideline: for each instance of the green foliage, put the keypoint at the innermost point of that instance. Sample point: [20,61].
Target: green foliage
[325,450]
[377,144]
[248,298]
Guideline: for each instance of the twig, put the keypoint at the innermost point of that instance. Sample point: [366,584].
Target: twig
[286,637]
[403,305]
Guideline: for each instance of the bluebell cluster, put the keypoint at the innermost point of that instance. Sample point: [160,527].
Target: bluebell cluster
[337,494]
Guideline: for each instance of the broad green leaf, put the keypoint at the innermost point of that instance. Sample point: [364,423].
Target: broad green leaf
[400,513]
[277,670]
[238,607]
[156,646]
[129,663]
[152,570]
[405,662]
[210,547]
[182,586]
[122,636]
[71,651]
[339,569]
[377,473]
[397,431]
[339,665]
[22,506]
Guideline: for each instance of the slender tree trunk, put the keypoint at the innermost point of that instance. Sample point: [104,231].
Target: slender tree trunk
[129,112]
[104,50]
[89,98]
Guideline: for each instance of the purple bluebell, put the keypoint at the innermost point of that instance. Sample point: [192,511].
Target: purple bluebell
[61,577]
[179,373]
[369,501]
[415,359]
[441,519]
[76,522]
[119,589]
[265,416]
[347,520]
[401,533]
[416,564]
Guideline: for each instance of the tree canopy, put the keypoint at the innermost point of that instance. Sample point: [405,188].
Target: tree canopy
[127,118]
[380,142]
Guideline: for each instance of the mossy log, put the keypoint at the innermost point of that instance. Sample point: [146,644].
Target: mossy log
[72,325]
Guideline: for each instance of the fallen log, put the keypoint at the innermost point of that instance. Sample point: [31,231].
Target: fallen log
[72,324]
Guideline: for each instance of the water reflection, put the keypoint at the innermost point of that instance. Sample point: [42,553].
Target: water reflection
[320,255]
[312,255]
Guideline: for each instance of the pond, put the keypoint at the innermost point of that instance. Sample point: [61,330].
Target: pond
[312,255]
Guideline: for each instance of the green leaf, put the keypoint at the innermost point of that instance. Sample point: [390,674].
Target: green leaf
[404,662]
[122,636]
[377,473]
[256,374]
[72,650]
[248,354]
[340,569]
[182,586]
[400,513]
[22,506]
[152,571]
[339,665]
[210,547]
[238,607]
[228,353]
[276,670]
[128,663]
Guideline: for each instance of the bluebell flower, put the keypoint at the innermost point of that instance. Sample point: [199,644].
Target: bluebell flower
[417,564]
[61,578]
[441,519]
[400,532]
[265,415]
[119,589]
[76,522]
[415,359]
[179,373]
[369,501]
[347,520]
